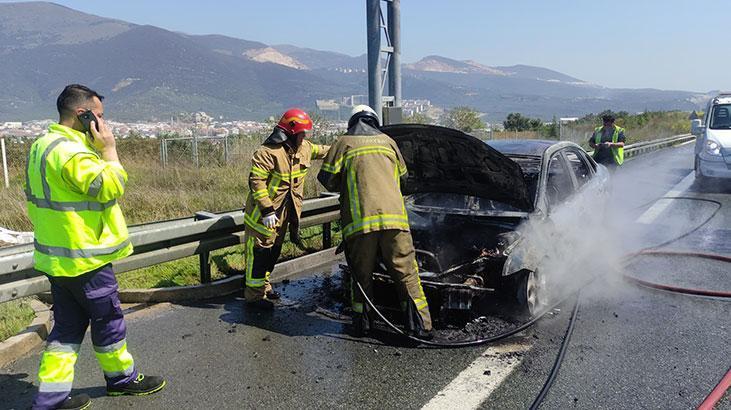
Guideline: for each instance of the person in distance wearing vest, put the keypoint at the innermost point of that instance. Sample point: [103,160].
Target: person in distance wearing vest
[73,181]
[608,143]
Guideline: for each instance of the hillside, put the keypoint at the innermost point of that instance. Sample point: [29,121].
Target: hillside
[151,73]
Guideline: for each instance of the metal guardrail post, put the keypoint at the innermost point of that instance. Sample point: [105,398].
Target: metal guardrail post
[204,259]
[205,267]
[327,240]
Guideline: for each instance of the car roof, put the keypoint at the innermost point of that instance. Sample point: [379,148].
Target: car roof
[522,147]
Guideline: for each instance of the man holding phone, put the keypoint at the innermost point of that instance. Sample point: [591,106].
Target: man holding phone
[73,181]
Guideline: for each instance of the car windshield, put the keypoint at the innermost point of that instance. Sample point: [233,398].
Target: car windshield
[721,117]
[531,167]
[457,202]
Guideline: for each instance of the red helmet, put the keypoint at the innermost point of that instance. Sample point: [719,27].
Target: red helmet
[295,121]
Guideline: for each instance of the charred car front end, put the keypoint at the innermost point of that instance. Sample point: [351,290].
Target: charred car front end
[470,208]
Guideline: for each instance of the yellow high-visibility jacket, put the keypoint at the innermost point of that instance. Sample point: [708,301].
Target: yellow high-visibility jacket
[72,202]
[366,170]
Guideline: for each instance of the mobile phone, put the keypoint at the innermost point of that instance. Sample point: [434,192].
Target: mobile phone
[86,118]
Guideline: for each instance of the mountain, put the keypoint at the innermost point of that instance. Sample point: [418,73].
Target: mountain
[150,73]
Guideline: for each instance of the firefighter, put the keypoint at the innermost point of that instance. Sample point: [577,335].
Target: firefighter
[276,185]
[73,181]
[608,143]
[366,166]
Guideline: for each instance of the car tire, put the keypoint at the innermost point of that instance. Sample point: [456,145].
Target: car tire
[530,293]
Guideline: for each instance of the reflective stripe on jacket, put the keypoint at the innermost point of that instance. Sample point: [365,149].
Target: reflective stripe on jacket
[277,173]
[72,202]
[367,171]
[617,152]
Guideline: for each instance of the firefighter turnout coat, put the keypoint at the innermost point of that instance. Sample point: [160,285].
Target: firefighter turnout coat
[366,170]
[278,176]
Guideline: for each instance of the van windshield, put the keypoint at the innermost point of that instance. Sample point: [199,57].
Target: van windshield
[721,117]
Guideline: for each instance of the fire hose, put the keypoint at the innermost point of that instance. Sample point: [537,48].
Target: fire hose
[708,403]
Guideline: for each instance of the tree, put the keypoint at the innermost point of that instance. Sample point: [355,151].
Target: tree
[517,122]
[463,118]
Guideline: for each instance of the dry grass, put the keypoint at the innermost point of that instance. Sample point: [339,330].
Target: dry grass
[155,193]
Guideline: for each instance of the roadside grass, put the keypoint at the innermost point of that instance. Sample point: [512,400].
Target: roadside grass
[15,316]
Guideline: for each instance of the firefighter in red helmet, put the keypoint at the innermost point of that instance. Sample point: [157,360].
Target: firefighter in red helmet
[276,185]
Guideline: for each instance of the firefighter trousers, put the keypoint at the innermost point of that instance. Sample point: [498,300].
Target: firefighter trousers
[77,301]
[397,250]
[262,254]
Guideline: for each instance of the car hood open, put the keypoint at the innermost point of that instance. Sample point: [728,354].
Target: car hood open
[442,159]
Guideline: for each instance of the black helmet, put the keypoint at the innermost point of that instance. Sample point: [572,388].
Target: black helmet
[365,113]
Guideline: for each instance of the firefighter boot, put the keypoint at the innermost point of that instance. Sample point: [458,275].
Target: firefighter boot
[276,250]
[255,291]
[361,325]
[415,323]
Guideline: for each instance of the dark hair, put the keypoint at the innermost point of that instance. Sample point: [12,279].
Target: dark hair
[73,96]
[608,118]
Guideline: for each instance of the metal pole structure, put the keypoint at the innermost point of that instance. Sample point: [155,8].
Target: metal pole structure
[195,148]
[394,66]
[5,162]
[373,27]
[225,149]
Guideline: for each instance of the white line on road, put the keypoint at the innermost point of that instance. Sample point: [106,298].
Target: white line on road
[480,379]
[655,210]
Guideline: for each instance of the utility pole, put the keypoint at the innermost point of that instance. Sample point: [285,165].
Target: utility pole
[384,60]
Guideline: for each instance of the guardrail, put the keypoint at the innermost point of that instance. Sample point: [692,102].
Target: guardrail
[160,242]
[647,146]
[166,241]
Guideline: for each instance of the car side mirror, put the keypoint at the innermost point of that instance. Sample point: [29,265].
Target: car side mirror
[696,127]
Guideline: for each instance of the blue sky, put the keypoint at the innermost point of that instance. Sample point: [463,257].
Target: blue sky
[621,43]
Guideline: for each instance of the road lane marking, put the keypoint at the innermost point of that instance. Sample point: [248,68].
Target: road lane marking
[474,384]
[649,216]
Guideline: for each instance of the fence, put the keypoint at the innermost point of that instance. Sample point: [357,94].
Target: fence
[195,150]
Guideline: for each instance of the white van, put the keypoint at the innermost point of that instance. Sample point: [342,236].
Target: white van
[713,145]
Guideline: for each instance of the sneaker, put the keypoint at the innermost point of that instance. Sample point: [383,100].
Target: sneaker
[261,304]
[273,294]
[141,386]
[78,402]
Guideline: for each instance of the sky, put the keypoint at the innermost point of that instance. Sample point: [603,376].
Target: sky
[669,44]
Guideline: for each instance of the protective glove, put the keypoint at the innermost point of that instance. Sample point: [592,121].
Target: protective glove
[270,220]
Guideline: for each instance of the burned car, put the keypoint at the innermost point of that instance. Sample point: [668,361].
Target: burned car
[485,217]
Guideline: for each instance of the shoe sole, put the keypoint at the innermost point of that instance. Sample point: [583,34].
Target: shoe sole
[147,393]
[85,406]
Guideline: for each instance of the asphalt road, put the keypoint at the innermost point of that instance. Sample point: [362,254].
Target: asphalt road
[632,347]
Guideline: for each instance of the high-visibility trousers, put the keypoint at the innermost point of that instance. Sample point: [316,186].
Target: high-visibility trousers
[92,297]
[397,250]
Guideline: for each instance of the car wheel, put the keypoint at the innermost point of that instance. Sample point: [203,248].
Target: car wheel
[530,293]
